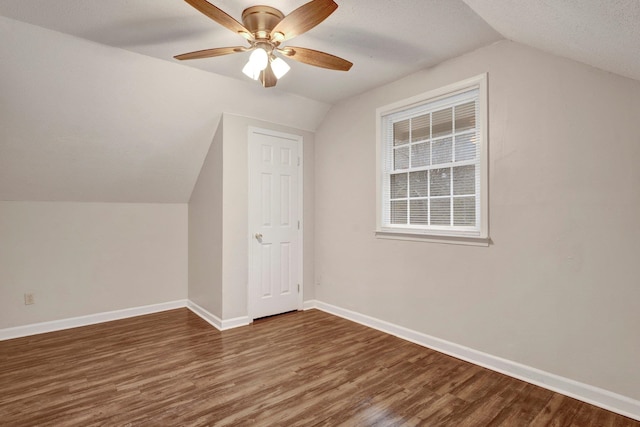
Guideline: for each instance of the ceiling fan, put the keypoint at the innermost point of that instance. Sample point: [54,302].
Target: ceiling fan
[265,28]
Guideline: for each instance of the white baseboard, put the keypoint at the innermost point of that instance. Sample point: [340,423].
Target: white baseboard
[206,315]
[107,316]
[215,321]
[587,393]
[235,322]
[91,319]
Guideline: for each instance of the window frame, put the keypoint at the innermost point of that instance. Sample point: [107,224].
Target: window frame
[478,237]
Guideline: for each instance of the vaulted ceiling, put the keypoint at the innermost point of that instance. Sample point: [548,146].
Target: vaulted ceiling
[384,39]
[95,108]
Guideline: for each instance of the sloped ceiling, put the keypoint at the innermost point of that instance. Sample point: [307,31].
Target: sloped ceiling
[601,33]
[93,106]
[87,122]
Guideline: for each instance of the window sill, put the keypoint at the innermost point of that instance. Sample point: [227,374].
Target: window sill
[434,238]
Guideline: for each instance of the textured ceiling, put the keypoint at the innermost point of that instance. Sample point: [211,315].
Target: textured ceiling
[601,33]
[385,39]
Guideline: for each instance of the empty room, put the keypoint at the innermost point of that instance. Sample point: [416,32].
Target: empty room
[319,213]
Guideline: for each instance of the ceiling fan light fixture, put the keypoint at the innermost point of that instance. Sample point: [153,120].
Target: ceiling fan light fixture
[279,67]
[259,59]
[251,71]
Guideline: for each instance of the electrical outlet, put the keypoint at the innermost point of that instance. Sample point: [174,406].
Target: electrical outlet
[29,299]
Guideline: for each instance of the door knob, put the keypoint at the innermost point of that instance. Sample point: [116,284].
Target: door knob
[259,237]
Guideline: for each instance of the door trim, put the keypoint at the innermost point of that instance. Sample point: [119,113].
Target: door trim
[300,252]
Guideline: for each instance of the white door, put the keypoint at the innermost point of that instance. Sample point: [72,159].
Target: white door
[275,231]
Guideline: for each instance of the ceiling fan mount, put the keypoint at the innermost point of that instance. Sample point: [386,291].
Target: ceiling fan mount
[265,28]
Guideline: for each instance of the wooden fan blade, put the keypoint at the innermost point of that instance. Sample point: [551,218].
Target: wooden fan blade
[317,58]
[210,53]
[303,19]
[220,17]
[267,77]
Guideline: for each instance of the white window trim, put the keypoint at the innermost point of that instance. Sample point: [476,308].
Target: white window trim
[453,237]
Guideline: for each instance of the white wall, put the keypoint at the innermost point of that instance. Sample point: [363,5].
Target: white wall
[558,288]
[86,258]
[205,231]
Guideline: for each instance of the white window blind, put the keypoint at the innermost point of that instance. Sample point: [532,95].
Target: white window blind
[431,171]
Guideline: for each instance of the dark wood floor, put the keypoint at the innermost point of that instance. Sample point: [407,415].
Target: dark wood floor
[307,368]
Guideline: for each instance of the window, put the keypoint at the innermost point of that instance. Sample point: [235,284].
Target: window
[432,165]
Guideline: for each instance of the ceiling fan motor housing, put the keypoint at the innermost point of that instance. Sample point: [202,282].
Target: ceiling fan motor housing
[260,20]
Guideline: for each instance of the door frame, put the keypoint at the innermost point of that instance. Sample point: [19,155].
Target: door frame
[250,237]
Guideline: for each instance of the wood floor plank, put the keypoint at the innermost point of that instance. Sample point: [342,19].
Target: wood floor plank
[528,403]
[559,411]
[298,369]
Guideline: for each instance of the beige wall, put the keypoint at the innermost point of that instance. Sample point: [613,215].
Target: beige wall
[205,231]
[87,258]
[558,288]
